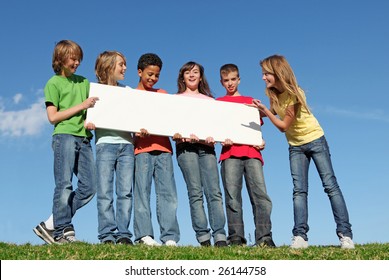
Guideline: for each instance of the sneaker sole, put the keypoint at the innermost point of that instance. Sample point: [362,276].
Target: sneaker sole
[41,233]
[141,242]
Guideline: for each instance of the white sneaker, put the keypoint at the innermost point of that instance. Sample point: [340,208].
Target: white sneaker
[298,243]
[346,243]
[149,241]
[171,243]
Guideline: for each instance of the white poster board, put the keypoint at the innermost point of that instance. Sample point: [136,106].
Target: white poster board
[128,109]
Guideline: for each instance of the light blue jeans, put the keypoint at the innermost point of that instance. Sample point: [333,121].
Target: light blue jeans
[300,157]
[232,172]
[157,165]
[72,155]
[111,160]
[198,164]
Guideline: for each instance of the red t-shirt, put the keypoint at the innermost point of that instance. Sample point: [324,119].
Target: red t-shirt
[238,150]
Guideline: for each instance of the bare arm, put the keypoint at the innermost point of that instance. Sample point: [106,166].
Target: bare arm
[282,125]
[56,116]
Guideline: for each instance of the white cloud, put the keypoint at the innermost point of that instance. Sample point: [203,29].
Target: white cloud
[27,122]
[17,98]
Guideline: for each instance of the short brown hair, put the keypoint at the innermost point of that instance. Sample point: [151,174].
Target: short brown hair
[227,68]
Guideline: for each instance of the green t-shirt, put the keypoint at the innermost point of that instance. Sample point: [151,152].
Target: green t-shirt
[64,93]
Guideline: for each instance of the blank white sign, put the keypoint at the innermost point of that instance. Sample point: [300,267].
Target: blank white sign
[129,109]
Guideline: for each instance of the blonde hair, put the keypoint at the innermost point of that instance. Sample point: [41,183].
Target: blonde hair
[278,66]
[105,65]
[64,50]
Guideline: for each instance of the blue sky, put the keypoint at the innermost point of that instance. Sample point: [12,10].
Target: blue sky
[338,49]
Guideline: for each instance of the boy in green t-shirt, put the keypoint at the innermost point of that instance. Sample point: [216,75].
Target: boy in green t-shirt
[66,99]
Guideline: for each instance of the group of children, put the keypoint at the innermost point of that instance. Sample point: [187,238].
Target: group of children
[127,162]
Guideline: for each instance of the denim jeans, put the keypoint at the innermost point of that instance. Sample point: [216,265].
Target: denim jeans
[157,165]
[232,172]
[114,161]
[72,155]
[300,157]
[198,164]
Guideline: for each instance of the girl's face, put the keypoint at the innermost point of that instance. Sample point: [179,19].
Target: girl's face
[120,69]
[70,66]
[149,76]
[270,80]
[192,78]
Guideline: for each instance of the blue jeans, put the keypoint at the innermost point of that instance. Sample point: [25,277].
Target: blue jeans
[111,159]
[198,164]
[300,158]
[157,165]
[72,155]
[232,172]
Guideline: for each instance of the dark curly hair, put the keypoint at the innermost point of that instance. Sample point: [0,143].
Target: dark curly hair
[149,59]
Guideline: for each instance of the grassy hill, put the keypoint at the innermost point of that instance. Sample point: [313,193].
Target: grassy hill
[85,251]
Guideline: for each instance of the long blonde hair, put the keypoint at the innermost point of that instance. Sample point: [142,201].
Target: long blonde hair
[105,65]
[278,66]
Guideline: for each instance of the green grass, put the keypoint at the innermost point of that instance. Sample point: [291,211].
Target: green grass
[85,251]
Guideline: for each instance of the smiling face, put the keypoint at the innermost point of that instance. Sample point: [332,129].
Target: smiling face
[70,66]
[149,76]
[230,82]
[192,78]
[120,69]
[269,79]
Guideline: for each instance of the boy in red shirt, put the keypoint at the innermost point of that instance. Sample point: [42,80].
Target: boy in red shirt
[238,161]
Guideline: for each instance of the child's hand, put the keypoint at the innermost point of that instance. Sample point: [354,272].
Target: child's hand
[177,137]
[262,146]
[143,133]
[227,142]
[89,126]
[90,102]
[210,140]
[257,103]
[193,139]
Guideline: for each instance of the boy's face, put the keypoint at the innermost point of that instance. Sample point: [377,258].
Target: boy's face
[149,76]
[120,69]
[230,82]
[70,66]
